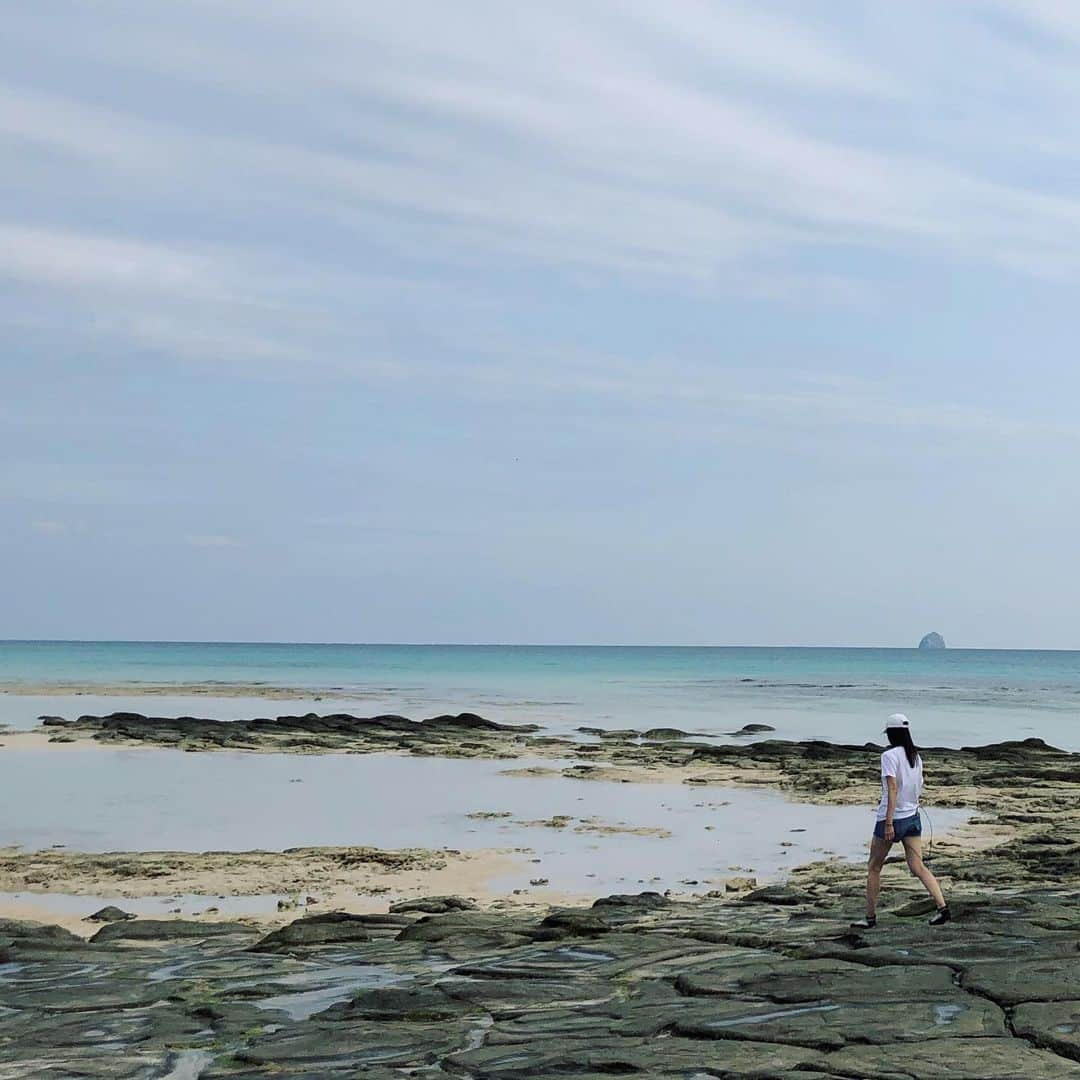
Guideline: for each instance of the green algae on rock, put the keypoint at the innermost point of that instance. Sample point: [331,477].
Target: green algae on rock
[630,987]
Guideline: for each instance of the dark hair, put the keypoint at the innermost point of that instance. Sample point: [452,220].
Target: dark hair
[901,736]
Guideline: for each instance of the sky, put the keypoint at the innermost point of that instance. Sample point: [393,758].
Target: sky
[595,321]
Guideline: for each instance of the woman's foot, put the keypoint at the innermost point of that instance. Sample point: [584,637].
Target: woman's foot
[942,916]
[865,924]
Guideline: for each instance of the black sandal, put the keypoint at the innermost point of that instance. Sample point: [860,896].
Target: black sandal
[943,916]
[865,924]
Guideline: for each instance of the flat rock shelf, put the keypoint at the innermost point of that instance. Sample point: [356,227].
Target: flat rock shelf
[774,985]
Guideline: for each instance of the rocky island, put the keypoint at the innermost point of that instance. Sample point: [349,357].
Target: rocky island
[933,640]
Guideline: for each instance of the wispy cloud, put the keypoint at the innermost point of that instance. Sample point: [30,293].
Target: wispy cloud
[79,260]
[211,540]
[599,135]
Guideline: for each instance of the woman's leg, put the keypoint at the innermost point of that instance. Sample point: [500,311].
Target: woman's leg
[879,849]
[913,851]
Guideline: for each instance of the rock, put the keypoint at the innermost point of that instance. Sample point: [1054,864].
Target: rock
[795,982]
[164,930]
[826,1025]
[777,895]
[326,928]
[572,922]
[433,905]
[308,733]
[661,734]
[109,914]
[933,640]
[919,906]
[740,884]
[643,901]
[1054,1025]
[53,721]
[599,1054]
[471,928]
[414,1004]
[1010,983]
[25,936]
[637,986]
[753,729]
[472,722]
[972,1059]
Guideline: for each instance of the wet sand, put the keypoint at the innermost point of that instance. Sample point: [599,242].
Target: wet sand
[258,887]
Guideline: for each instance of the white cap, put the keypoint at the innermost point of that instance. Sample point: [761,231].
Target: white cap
[897,720]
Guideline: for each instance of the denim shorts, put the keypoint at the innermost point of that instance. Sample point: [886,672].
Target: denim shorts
[903,827]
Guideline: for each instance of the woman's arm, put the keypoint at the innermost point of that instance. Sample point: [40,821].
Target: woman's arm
[890,782]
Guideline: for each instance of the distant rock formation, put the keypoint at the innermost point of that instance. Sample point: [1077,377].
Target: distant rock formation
[932,641]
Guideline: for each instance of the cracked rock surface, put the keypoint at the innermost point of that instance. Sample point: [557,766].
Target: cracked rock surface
[775,984]
[637,986]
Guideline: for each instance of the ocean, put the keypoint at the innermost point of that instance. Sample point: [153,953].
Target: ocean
[954,697]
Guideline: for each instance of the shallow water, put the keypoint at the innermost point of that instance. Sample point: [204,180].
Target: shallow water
[188,1064]
[765,1018]
[145,800]
[328,986]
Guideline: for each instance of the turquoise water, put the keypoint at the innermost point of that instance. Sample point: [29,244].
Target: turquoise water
[955,696]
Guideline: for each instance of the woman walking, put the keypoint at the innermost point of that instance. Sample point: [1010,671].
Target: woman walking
[898,819]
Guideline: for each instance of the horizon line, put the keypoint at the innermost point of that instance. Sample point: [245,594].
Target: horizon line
[507,645]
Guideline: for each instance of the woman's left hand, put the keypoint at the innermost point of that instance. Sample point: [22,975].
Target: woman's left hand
[890,832]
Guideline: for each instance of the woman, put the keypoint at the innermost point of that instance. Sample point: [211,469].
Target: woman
[898,819]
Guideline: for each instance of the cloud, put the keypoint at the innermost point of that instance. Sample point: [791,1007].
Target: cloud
[594,135]
[750,40]
[79,260]
[1060,22]
[211,541]
[337,194]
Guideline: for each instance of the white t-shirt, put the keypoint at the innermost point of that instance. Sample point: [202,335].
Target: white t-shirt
[894,762]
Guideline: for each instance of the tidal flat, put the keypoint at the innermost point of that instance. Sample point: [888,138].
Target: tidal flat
[446,977]
[296,818]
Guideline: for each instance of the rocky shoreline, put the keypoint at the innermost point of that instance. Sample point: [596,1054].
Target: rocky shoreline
[772,983]
[461,735]
[775,985]
[1025,794]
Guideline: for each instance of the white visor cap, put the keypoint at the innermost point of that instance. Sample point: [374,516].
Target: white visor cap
[897,720]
